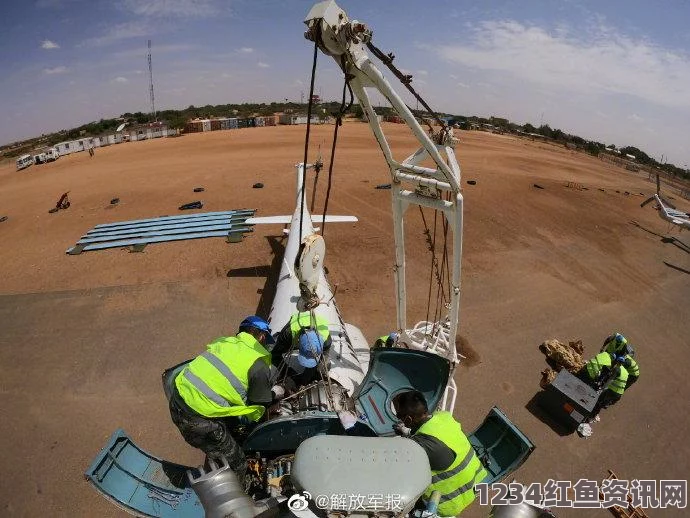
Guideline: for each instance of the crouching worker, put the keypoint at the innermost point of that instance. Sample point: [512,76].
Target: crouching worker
[455,467]
[227,386]
[386,340]
[607,371]
[310,336]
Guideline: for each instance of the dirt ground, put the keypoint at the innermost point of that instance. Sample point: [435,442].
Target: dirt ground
[84,339]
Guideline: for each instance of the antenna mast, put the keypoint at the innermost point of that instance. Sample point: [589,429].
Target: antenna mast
[153,103]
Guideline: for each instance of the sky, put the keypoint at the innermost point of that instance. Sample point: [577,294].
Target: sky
[616,71]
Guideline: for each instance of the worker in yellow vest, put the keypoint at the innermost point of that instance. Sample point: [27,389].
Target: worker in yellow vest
[607,371]
[386,340]
[617,344]
[455,466]
[225,387]
[308,334]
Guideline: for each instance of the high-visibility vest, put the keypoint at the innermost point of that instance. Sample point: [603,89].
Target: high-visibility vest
[382,341]
[633,368]
[303,320]
[610,345]
[618,383]
[456,484]
[215,383]
[596,364]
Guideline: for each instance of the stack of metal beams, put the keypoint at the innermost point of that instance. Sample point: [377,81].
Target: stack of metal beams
[139,233]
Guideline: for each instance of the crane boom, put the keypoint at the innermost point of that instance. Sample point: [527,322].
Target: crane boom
[436,188]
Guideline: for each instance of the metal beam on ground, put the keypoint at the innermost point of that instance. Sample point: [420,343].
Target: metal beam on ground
[161,223]
[172,218]
[153,228]
[160,239]
[156,233]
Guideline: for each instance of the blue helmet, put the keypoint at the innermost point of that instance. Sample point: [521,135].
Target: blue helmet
[310,348]
[259,323]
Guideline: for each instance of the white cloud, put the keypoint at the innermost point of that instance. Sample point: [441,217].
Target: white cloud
[422,72]
[119,32]
[261,64]
[47,44]
[635,118]
[606,62]
[246,50]
[55,70]
[462,85]
[120,79]
[174,8]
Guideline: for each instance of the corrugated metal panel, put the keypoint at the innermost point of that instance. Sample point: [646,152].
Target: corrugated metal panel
[160,239]
[206,125]
[259,122]
[215,125]
[232,124]
[242,123]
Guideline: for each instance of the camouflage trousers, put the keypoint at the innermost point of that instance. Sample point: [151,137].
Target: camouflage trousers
[213,436]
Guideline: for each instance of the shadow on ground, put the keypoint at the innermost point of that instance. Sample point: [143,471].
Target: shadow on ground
[271,272]
[533,408]
[665,239]
[683,270]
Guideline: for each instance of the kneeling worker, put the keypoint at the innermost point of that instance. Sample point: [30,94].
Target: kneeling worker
[226,386]
[606,370]
[311,337]
[617,344]
[455,467]
[386,340]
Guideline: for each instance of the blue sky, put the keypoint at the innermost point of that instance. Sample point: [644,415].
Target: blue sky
[615,71]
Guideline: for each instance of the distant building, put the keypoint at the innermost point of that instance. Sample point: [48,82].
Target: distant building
[74,146]
[293,118]
[629,156]
[149,131]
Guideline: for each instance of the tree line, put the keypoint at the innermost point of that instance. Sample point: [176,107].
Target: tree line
[177,119]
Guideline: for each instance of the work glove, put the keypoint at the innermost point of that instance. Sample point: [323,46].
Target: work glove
[400,429]
[278,391]
[347,419]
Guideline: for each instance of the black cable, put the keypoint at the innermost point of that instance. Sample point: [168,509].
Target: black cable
[306,142]
[338,122]
[387,59]
[431,268]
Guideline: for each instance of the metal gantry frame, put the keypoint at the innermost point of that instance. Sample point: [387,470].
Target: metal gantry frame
[412,184]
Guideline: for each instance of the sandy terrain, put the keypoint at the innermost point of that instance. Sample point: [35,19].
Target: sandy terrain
[84,339]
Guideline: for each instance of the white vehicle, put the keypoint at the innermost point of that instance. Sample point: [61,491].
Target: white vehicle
[41,158]
[24,161]
[52,154]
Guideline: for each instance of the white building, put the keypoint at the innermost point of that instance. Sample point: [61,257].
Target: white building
[73,146]
[290,118]
[146,132]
